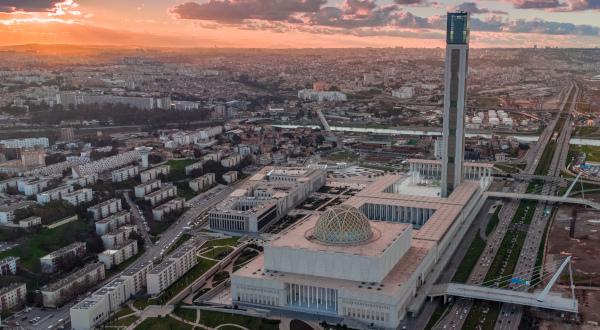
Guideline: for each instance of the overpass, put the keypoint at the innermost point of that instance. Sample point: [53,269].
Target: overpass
[506,296]
[556,199]
[323,121]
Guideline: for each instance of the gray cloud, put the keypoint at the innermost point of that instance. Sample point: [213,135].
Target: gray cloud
[471,7]
[499,12]
[539,4]
[7,6]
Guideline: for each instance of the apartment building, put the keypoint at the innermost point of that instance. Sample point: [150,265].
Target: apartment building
[190,168]
[124,173]
[203,182]
[67,134]
[7,213]
[55,194]
[84,195]
[216,156]
[106,208]
[137,274]
[118,236]
[112,222]
[83,181]
[33,158]
[152,174]
[10,266]
[231,161]
[34,187]
[50,262]
[168,272]
[144,189]
[161,194]
[230,177]
[30,222]
[5,184]
[28,143]
[118,253]
[13,296]
[62,291]
[159,212]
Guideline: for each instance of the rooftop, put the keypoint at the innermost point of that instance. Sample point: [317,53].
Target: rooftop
[73,277]
[12,207]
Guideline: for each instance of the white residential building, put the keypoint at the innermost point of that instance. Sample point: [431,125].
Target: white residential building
[83,181]
[118,253]
[58,293]
[7,213]
[137,274]
[118,236]
[8,183]
[28,143]
[203,182]
[144,189]
[106,208]
[30,222]
[190,168]
[124,173]
[14,295]
[84,195]
[230,177]
[34,187]
[50,262]
[55,194]
[112,222]
[161,194]
[168,272]
[158,213]
[231,161]
[10,266]
[152,174]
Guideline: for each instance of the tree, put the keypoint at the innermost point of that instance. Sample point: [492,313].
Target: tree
[320,139]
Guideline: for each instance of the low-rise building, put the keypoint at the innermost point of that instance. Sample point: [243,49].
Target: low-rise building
[203,182]
[51,262]
[124,173]
[66,289]
[159,212]
[55,194]
[161,194]
[137,274]
[33,187]
[106,208]
[10,266]
[5,184]
[118,253]
[80,196]
[152,174]
[86,180]
[112,222]
[168,272]
[7,213]
[231,161]
[13,296]
[230,177]
[144,189]
[118,236]
[30,222]
[213,156]
[190,168]
[88,313]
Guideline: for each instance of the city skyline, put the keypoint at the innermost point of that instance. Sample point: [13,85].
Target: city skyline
[296,24]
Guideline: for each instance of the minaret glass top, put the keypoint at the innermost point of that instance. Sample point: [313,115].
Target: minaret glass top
[458,28]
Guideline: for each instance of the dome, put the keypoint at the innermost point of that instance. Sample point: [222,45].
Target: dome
[342,224]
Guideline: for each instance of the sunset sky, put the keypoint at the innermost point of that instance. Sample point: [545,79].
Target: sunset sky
[296,23]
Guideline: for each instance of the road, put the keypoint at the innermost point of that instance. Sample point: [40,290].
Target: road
[453,319]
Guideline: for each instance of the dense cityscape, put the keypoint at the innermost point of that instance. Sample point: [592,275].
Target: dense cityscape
[315,188]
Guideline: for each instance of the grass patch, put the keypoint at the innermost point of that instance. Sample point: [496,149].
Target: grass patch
[200,293]
[440,312]
[217,252]
[201,268]
[587,130]
[186,314]
[163,323]
[142,304]
[246,255]
[233,241]
[546,159]
[470,260]
[525,212]
[124,311]
[188,194]
[158,227]
[179,165]
[507,168]
[184,238]
[487,101]
[245,176]
[509,251]
[483,315]
[413,142]
[31,252]
[116,321]
[213,319]
[540,255]
[494,221]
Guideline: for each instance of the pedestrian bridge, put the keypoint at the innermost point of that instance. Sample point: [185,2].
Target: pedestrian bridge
[506,296]
[557,199]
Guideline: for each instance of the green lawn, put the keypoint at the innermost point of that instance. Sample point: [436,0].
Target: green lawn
[592,154]
[509,251]
[202,266]
[121,322]
[493,221]
[184,238]
[158,227]
[213,319]
[163,323]
[487,101]
[188,194]
[186,314]
[124,311]
[233,241]
[179,165]
[477,319]
[413,142]
[525,212]
[213,253]
[470,260]
[31,252]
[142,304]
[507,168]
[587,130]
[546,159]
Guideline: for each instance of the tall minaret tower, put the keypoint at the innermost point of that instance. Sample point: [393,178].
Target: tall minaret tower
[455,94]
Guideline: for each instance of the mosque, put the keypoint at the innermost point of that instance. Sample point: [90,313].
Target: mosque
[374,257]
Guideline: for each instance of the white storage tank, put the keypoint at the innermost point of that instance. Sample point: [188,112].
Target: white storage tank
[507,121]
[477,120]
[494,121]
